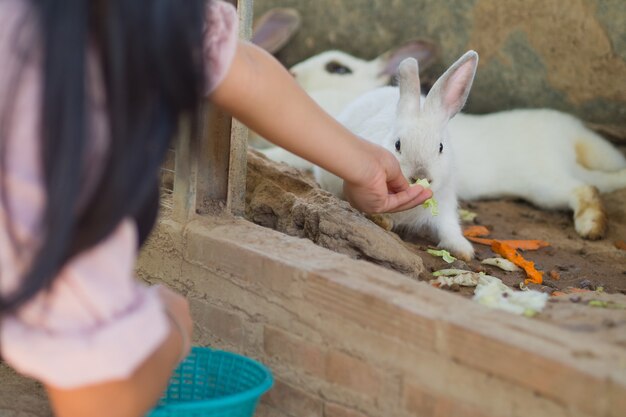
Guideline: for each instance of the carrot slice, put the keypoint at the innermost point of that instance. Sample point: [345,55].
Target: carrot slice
[476,234]
[481,240]
[515,244]
[532,244]
[474,231]
[533,276]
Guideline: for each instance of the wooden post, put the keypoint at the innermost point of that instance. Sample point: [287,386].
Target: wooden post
[211,162]
[185,173]
[236,187]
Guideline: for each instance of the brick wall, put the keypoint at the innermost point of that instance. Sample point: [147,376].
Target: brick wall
[347,339]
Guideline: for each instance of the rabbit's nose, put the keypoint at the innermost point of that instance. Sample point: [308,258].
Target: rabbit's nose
[413,180]
[420,174]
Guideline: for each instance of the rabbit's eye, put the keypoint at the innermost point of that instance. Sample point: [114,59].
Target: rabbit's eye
[440,147]
[398,145]
[335,67]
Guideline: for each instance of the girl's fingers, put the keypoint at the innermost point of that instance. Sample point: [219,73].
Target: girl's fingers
[405,200]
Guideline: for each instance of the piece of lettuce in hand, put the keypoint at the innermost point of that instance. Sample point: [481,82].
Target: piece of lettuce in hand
[431,203]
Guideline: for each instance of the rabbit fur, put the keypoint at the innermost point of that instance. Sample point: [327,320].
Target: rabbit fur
[335,78]
[414,129]
[546,157]
[543,156]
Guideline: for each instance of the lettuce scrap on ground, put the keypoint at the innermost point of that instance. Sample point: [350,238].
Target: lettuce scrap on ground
[442,254]
[501,263]
[493,293]
[449,277]
[449,272]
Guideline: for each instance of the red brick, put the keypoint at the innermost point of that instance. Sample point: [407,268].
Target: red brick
[336,410]
[352,373]
[294,351]
[293,401]
[420,401]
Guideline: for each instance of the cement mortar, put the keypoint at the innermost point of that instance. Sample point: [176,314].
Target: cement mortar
[564,54]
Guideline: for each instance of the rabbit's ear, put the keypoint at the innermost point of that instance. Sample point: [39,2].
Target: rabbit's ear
[424,51]
[450,92]
[275,28]
[409,81]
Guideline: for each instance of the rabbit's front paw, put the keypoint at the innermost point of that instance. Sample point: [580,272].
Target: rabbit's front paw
[460,248]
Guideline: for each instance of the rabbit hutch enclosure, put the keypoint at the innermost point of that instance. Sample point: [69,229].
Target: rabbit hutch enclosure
[341,309]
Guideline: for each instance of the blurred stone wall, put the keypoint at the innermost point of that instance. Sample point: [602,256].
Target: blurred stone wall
[564,54]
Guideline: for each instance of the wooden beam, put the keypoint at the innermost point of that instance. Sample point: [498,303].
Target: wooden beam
[236,188]
[185,173]
[211,162]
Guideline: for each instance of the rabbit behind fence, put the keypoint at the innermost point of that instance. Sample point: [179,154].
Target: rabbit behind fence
[335,78]
[414,129]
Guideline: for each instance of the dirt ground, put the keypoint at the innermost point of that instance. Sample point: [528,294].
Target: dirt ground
[573,261]
[596,267]
[277,194]
[577,271]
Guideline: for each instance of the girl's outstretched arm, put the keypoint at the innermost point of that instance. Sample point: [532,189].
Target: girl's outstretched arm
[262,94]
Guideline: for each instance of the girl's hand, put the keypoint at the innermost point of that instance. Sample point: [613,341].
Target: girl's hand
[381,187]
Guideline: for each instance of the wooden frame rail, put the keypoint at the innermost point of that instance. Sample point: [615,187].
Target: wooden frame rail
[211,160]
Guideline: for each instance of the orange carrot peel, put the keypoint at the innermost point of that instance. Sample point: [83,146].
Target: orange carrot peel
[476,234]
[476,231]
[508,252]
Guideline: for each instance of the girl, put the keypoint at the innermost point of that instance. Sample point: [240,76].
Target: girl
[90,95]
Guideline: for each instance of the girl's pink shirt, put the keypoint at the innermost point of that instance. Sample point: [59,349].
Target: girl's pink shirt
[97,323]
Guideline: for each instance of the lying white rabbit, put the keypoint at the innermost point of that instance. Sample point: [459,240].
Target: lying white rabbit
[334,78]
[414,129]
[543,156]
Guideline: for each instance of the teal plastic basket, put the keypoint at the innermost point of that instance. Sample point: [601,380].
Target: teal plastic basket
[214,383]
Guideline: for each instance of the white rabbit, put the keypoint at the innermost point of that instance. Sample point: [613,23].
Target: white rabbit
[543,156]
[335,78]
[414,129]
[336,71]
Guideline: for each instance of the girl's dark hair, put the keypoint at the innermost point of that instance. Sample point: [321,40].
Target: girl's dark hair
[151,56]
